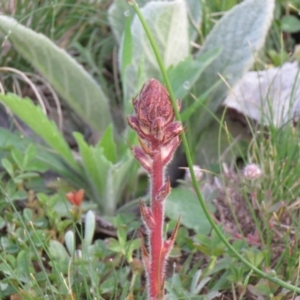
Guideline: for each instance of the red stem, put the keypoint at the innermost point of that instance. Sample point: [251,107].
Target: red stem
[157,259]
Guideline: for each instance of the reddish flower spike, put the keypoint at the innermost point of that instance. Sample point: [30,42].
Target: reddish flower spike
[159,138]
[75,197]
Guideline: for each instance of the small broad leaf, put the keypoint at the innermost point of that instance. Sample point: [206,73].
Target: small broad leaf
[34,117]
[184,203]
[122,236]
[18,195]
[57,251]
[114,245]
[28,214]
[69,78]
[23,267]
[255,257]
[29,155]
[290,24]
[134,245]
[8,167]
[18,158]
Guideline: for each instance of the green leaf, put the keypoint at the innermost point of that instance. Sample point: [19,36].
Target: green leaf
[70,241]
[9,246]
[168,22]
[90,225]
[69,78]
[200,102]
[29,155]
[119,10]
[26,175]
[22,271]
[44,159]
[17,157]
[57,251]
[96,169]
[184,75]
[114,245]
[108,144]
[8,167]
[107,180]
[290,24]
[240,34]
[255,257]
[183,203]
[127,49]
[132,246]
[19,195]
[194,8]
[28,214]
[117,178]
[34,117]
[122,237]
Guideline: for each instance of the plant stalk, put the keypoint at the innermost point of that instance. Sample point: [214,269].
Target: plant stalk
[156,272]
[159,139]
[215,227]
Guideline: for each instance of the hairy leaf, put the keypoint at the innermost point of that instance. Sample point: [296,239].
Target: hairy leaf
[107,179]
[95,167]
[69,78]
[44,158]
[108,144]
[119,9]
[184,75]
[240,34]
[89,230]
[168,22]
[34,117]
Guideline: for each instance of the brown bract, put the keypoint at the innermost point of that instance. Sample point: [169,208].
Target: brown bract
[154,114]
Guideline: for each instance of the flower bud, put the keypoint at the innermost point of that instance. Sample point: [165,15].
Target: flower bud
[153,102]
[252,171]
[75,197]
[154,114]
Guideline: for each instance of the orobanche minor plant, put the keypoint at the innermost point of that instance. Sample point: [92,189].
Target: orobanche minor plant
[146,156]
[159,138]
